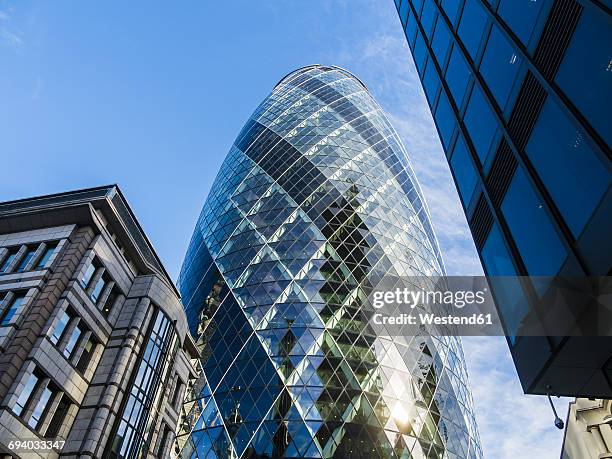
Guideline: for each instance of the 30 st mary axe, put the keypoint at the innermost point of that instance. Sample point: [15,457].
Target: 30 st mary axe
[314,204]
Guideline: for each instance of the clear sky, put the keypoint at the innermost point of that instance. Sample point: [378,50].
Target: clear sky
[150,95]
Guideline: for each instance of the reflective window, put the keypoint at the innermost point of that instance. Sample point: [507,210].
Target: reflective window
[445,119]
[420,52]
[40,407]
[431,82]
[521,16]
[404,11]
[410,30]
[472,26]
[10,312]
[457,75]
[571,171]
[441,42]
[509,296]
[428,16]
[8,259]
[499,67]
[72,341]
[60,327]
[85,358]
[481,123]
[464,170]
[451,7]
[586,71]
[97,290]
[88,274]
[531,228]
[26,259]
[58,417]
[25,394]
[46,256]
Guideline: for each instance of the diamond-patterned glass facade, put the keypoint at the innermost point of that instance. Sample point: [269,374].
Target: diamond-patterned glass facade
[315,203]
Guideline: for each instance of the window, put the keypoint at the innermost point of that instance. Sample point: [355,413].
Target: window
[571,171]
[428,16]
[404,11]
[58,417]
[46,256]
[586,71]
[441,42]
[431,82]
[26,259]
[521,16]
[420,52]
[97,290]
[88,274]
[110,302]
[481,123]
[72,341]
[411,28]
[163,440]
[60,327]
[25,394]
[10,311]
[85,358]
[510,299]
[500,66]
[472,26]
[8,259]
[464,170]
[531,228]
[457,75]
[40,408]
[451,7]
[445,120]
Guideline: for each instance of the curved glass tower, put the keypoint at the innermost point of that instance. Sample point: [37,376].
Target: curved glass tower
[314,204]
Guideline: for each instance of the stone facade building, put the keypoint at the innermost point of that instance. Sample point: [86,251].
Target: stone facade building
[589,430]
[95,352]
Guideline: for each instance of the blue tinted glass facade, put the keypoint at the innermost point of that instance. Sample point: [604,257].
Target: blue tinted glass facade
[530,83]
[315,201]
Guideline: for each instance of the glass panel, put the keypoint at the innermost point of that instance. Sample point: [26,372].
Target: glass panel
[411,28]
[441,42]
[89,271]
[445,119]
[463,168]
[58,331]
[95,293]
[42,263]
[428,16]
[481,123]
[586,71]
[25,394]
[72,342]
[25,260]
[531,228]
[403,12]
[521,16]
[451,7]
[571,171]
[86,356]
[431,82]
[472,26]
[12,310]
[40,408]
[457,75]
[420,52]
[8,260]
[499,67]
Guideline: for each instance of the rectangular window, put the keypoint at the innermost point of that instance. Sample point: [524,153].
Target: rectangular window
[541,249]
[8,259]
[72,341]
[11,310]
[480,123]
[464,170]
[472,26]
[521,16]
[85,358]
[26,259]
[457,75]
[428,16]
[431,82]
[25,394]
[88,274]
[451,7]
[46,256]
[60,327]
[500,66]
[110,302]
[445,120]
[58,417]
[97,290]
[40,408]
[441,42]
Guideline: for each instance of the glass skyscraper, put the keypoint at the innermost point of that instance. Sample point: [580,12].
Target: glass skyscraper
[315,203]
[520,91]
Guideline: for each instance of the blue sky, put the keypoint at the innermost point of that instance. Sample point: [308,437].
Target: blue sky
[150,95]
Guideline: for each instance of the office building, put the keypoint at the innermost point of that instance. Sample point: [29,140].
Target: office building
[588,431]
[315,203]
[520,92]
[95,351]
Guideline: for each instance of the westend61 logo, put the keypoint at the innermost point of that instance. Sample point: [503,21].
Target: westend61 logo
[412,298]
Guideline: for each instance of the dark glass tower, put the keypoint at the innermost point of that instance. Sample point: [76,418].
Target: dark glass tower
[314,204]
[520,91]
